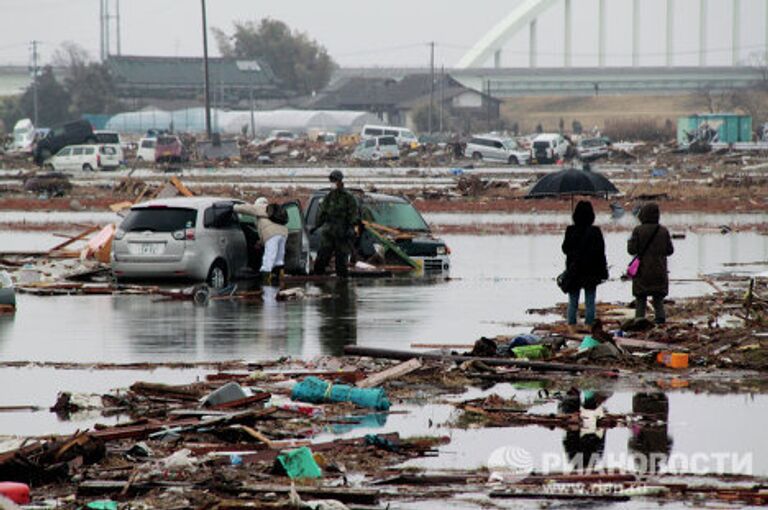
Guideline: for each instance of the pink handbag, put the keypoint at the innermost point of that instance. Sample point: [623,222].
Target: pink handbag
[633,268]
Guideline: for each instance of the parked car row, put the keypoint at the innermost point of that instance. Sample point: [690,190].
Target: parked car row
[203,239]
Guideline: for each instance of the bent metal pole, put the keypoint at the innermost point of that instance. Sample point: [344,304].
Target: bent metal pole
[542,366]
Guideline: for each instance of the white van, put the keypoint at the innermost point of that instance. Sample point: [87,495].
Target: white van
[549,148]
[85,157]
[146,150]
[404,136]
[112,139]
[23,136]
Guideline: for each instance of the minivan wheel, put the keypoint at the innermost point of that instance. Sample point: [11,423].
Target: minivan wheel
[513,160]
[217,275]
[477,156]
[87,168]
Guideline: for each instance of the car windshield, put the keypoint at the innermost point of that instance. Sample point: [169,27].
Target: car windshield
[399,215]
[159,219]
[509,144]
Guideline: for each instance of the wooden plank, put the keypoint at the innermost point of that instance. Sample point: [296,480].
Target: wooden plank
[390,245]
[400,370]
[646,344]
[78,237]
[244,402]
[119,206]
[183,190]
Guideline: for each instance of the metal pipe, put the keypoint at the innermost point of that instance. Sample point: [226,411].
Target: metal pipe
[497,58]
[532,44]
[373,352]
[568,35]
[670,31]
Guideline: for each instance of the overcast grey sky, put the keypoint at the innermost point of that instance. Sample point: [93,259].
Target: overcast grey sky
[391,33]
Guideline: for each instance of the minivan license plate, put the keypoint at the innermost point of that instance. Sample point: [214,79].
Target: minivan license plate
[146,248]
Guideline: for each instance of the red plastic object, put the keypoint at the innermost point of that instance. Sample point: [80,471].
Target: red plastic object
[16,492]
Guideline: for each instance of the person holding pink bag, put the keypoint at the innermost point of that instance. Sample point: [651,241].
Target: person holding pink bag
[651,244]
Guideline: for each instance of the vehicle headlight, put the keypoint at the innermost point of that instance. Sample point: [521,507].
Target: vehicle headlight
[441,250]
[119,234]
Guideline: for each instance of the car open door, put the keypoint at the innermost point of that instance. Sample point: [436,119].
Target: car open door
[297,244]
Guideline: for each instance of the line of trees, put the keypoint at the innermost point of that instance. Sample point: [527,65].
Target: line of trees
[83,86]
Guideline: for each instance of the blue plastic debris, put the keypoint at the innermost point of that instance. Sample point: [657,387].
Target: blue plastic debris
[316,391]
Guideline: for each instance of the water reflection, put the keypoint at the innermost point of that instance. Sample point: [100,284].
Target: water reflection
[650,438]
[338,317]
[585,446]
[649,444]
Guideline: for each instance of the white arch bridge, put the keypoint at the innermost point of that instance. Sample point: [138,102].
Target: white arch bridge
[528,11]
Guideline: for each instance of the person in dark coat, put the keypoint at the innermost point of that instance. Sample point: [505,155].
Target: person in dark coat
[655,243]
[584,249]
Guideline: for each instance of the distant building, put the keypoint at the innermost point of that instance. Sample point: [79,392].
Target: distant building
[397,102]
[176,82]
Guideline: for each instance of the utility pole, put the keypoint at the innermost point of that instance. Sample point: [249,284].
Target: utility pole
[101,30]
[106,29]
[442,95]
[431,83]
[205,65]
[117,22]
[34,82]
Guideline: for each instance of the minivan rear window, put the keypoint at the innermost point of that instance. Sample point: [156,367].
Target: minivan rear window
[147,144]
[107,138]
[387,140]
[159,219]
[166,140]
[373,132]
[541,145]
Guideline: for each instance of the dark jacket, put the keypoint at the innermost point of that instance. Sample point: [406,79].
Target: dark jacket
[584,249]
[652,276]
[338,214]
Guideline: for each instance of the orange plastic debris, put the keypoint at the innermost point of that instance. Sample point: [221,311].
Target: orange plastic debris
[673,359]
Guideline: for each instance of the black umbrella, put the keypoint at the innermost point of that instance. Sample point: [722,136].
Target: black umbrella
[572,182]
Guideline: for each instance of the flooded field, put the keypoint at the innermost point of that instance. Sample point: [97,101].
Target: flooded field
[494,280]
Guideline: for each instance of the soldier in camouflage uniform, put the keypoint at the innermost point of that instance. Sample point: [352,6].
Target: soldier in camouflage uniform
[338,216]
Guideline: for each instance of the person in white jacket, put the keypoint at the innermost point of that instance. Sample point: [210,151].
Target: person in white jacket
[272,235]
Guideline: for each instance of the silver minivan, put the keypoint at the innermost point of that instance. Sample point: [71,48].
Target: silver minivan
[491,147]
[376,148]
[198,239]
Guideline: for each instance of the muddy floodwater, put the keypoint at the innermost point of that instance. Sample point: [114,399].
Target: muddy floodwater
[494,280]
